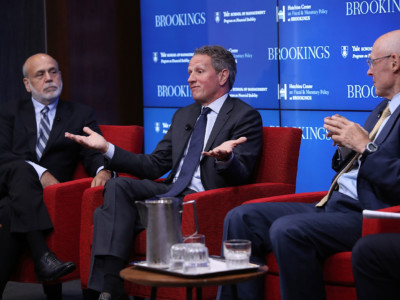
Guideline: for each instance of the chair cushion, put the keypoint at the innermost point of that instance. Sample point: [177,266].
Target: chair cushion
[337,268]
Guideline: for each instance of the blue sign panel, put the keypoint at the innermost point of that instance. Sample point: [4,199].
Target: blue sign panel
[172,31]
[316,150]
[323,47]
[298,61]
[156,125]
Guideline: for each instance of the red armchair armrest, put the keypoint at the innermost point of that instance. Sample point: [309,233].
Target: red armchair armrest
[374,225]
[63,202]
[213,205]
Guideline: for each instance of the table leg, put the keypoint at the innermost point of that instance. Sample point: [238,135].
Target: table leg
[189,293]
[153,295]
[199,294]
[234,292]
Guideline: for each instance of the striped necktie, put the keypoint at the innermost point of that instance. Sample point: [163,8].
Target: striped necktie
[348,167]
[44,132]
[192,158]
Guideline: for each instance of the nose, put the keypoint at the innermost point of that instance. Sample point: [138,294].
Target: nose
[369,71]
[47,76]
[191,78]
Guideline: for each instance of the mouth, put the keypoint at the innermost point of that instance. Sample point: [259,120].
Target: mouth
[50,89]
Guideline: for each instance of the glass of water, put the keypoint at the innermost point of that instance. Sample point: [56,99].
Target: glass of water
[237,253]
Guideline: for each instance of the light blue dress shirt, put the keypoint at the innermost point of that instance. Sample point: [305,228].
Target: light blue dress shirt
[348,181]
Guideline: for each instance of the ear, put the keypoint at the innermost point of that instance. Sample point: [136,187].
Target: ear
[26,83]
[396,62]
[223,76]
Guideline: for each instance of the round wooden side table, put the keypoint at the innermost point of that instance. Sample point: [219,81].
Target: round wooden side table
[156,279]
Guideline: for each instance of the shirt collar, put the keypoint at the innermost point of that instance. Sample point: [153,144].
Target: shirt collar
[394,103]
[217,104]
[39,106]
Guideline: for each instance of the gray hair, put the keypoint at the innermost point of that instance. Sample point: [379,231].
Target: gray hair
[220,59]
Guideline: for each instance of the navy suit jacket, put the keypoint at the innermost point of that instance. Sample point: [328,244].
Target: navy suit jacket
[18,136]
[378,181]
[235,119]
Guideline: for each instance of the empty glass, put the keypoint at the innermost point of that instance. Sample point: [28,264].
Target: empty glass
[195,258]
[195,238]
[177,257]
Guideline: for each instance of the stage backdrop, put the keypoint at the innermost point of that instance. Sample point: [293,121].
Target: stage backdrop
[298,61]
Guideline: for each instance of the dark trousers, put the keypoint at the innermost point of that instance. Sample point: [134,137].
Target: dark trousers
[117,221]
[21,210]
[300,236]
[376,266]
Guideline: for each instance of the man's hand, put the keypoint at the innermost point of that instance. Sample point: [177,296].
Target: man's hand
[224,151]
[92,141]
[346,133]
[101,178]
[48,179]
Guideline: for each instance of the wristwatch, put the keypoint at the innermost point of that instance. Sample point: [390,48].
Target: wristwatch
[371,147]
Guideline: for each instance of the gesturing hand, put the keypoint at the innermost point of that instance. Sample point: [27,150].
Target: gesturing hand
[92,141]
[346,133]
[224,151]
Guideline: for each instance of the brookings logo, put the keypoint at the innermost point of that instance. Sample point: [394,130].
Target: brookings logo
[184,19]
[155,57]
[217,17]
[345,51]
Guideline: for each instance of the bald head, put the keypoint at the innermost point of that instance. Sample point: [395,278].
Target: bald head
[389,42]
[42,78]
[385,65]
[35,60]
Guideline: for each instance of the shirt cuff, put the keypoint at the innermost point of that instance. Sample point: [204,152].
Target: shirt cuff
[110,152]
[39,169]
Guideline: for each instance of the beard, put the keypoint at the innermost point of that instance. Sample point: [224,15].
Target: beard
[46,97]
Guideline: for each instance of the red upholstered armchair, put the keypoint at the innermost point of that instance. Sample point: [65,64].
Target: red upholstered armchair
[338,273]
[275,175]
[63,202]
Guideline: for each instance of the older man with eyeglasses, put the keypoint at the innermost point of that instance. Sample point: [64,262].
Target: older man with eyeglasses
[367,160]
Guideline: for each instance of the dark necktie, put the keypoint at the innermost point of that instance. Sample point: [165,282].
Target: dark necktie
[348,167]
[192,158]
[44,132]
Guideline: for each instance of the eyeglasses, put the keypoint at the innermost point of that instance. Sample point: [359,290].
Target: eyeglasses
[370,62]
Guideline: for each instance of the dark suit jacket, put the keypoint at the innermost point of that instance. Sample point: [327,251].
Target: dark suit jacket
[18,136]
[378,181]
[234,120]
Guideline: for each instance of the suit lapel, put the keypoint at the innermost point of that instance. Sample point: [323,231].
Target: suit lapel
[223,116]
[59,123]
[29,122]
[388,126]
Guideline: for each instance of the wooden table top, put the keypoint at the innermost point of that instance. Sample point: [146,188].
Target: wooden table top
[154,278]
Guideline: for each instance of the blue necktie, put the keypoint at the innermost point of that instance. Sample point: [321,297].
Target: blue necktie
[192,158]
[44,132]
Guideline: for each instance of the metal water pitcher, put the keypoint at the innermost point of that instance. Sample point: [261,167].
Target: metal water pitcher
[162,219]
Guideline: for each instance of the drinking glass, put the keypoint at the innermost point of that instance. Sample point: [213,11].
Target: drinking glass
[237,253]
[177,257]
[195,238]
[195,258]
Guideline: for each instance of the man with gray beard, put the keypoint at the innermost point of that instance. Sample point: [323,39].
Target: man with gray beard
[33,155]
